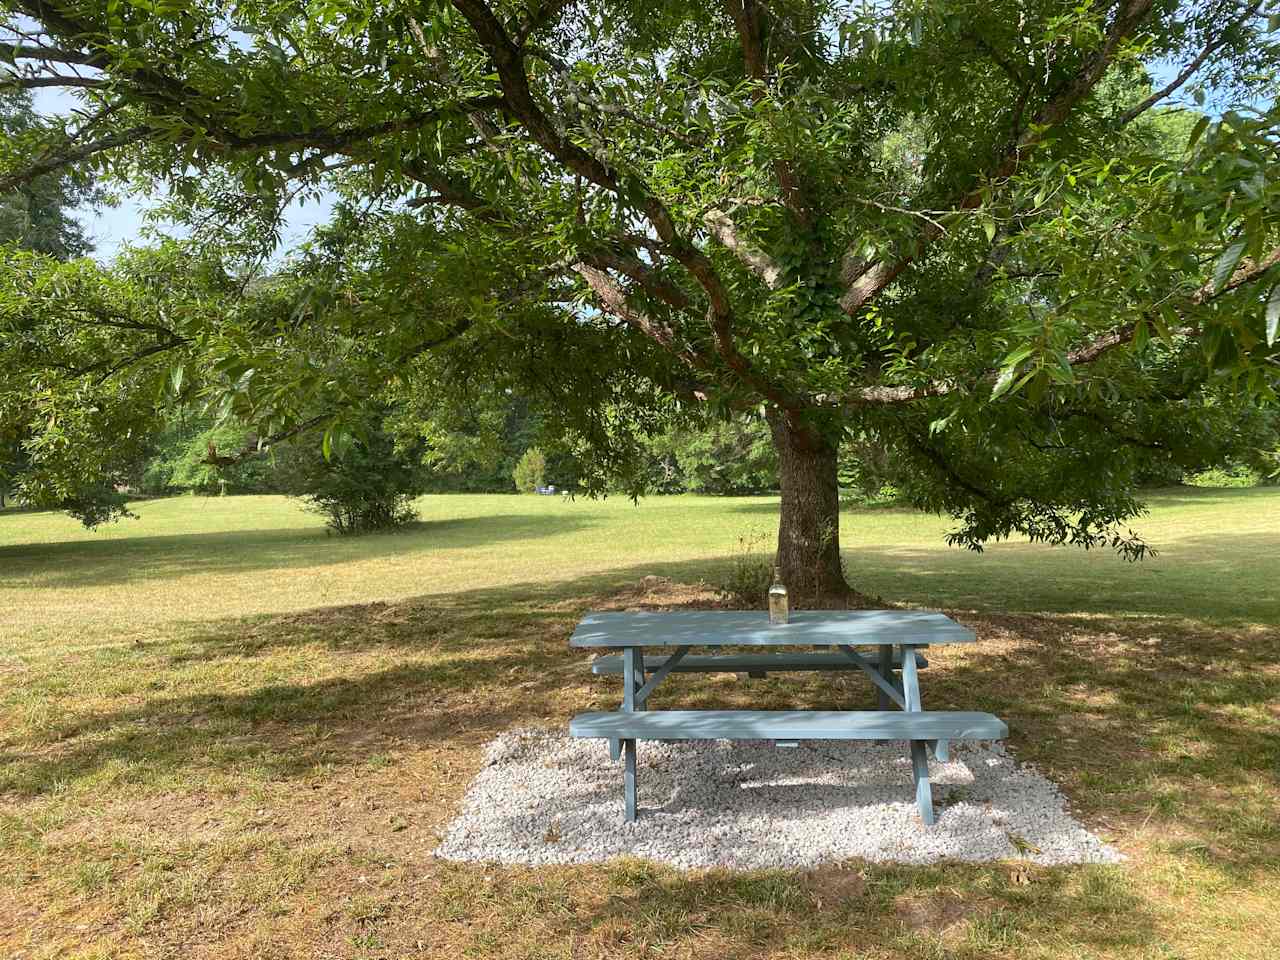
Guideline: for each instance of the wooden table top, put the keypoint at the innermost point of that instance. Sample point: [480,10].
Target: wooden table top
[722,628]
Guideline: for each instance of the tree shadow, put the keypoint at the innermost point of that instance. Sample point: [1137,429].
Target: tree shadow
[79,563]
[834,911]
[765,506]
[1141,720]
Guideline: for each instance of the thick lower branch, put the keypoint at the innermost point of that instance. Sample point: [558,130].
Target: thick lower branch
[872,279]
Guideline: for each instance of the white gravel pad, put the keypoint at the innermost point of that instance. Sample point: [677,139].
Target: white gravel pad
[544,797]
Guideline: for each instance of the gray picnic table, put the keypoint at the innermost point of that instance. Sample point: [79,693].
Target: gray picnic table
[892,665]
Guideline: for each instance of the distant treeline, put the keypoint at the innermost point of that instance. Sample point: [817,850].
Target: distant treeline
[734,458]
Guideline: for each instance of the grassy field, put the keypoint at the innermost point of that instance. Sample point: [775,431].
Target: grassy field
[226,734]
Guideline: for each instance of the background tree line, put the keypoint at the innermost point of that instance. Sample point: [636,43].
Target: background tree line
[730,458]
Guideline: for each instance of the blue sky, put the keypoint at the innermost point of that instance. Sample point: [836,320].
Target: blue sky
[111,227]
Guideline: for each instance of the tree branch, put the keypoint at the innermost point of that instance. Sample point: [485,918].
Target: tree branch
[749,20]
[333,141]
[639,271]
[50,54]
[39,169]
[614,300]
[867,280]
[1186,73]
[759,262]
[263,445]
[13,82]
[519,102]
[1249,271]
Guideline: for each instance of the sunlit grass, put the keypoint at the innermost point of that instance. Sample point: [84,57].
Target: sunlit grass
[201,558]
[221,727]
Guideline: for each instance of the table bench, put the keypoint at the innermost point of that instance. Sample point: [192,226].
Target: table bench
[896,635]
[754,665]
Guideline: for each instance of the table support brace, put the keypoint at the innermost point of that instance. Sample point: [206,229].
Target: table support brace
[660,674]
[885,686]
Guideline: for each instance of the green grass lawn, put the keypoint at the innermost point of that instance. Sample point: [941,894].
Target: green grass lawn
[224,733]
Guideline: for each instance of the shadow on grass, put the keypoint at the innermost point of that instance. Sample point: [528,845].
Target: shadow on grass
[1162,497]
[1141,721]
[78,563]
[950,910]
[1202,496]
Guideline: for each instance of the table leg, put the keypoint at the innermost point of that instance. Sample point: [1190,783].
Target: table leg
[629,781]
[886,671]
[920,774]
[919,753]
[632,680]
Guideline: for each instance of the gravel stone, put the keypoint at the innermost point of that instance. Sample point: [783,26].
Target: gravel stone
[545,797]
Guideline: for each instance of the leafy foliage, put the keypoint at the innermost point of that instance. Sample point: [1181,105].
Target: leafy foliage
[77,417]
[38,215]
[368,486]
[180,461]
[531,471]
[728,458]
[969,233]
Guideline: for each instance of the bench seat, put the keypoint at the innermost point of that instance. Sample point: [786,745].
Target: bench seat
[789,725]
[756,664]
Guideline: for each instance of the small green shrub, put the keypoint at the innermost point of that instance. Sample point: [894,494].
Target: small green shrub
[530,472]
[370,486]
[750,571]
[1232,475]
[885,496]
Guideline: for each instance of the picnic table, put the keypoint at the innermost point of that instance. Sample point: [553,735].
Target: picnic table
[896,636]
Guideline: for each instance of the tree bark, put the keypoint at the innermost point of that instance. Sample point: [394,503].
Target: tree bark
[809,526]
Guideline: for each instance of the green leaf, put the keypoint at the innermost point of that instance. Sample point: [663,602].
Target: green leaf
[1197,131]
[1226,264]
[1015,357]
[175,379]
[1165,321]
[1003,382]
[1273,316]
[1141,334]
[939,425]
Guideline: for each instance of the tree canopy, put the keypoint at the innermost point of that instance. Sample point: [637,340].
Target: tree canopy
[39,214]
[971,231]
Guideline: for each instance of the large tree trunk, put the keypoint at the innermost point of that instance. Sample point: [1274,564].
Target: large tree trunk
[809,527]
